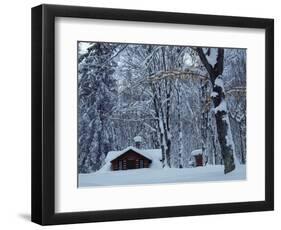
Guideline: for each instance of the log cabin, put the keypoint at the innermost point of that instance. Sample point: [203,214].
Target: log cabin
[134,158]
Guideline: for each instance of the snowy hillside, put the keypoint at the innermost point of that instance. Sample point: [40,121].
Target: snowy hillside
[168,175]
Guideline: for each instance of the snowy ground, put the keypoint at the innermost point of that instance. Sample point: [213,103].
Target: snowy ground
[152,176]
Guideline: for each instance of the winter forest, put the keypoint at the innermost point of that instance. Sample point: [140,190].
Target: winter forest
[179,100]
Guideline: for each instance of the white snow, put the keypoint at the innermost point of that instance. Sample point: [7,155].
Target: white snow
[219,82]
[190,162]
[221,107]
[83,47]
[167,175]
[169,135]
[180,135]
[187,60]
[138,139]
[161,126]
[196,152]
[214,94]
[212,58]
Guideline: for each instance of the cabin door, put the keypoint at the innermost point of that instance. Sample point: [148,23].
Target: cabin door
[199,160]
[131,164]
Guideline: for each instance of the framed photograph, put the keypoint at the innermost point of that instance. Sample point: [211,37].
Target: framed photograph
[142,114]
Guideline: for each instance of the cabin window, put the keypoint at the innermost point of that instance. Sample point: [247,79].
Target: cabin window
[120,165]
[141,163]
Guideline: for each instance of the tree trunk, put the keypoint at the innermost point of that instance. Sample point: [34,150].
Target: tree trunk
[159,124]
[214,148]
[223,129]
[221,114]
[243,160]
[166,116]
[204,121]
[179,124]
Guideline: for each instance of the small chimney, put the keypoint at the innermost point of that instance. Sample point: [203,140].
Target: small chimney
[138,141]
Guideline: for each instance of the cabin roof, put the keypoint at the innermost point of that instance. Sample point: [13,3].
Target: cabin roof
[151,154]
[196,152]
[138,139]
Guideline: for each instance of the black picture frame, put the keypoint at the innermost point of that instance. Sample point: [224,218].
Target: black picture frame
[43,114]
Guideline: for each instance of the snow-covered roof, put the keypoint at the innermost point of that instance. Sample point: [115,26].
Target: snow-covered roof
[196,152]
[152,154]
[137,139]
